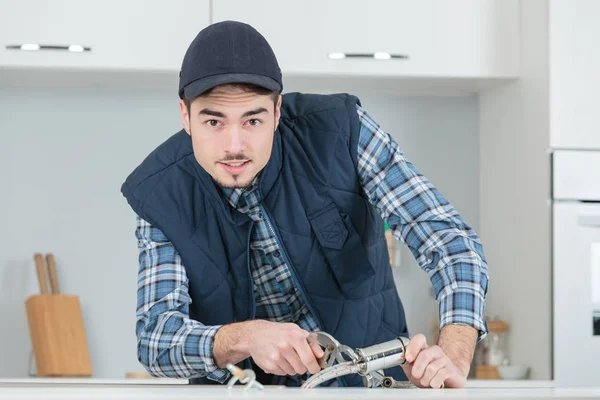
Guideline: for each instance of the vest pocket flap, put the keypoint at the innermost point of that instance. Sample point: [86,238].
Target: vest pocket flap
[343,250]
[329,227]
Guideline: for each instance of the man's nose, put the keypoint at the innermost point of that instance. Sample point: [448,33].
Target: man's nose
[234,141]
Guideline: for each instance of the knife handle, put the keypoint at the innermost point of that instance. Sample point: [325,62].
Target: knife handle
[40,267]
[52,272]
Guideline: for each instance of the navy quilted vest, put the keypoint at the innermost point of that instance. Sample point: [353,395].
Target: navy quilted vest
[332,237]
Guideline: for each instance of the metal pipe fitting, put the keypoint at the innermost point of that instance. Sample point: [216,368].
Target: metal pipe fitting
[383,355]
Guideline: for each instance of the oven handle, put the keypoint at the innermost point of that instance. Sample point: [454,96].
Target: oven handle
[589,220]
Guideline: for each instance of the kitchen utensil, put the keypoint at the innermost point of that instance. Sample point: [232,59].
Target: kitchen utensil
[41,273]
[52,273]
[56,327]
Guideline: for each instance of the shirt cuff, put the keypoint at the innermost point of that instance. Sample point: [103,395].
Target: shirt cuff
[464,306]
[205,347]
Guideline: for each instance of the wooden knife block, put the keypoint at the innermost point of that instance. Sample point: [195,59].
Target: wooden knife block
[58,335]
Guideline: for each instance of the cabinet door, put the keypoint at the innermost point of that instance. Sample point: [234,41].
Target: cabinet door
[294,29]
[574,74]
[458,38]
[130,34]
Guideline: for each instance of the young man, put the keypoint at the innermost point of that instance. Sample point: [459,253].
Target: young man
[262,220]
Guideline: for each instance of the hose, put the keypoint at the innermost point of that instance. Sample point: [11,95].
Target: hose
[333,372]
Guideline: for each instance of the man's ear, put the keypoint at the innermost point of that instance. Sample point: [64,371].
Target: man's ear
[185,116]
[278,111]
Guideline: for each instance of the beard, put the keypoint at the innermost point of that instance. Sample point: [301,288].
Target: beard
[236,184]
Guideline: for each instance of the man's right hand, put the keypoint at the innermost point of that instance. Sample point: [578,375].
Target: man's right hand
[277,348]
[282,348]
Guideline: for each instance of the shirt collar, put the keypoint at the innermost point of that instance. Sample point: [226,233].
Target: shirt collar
[234,196]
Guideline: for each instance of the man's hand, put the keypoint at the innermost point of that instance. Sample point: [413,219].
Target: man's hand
[445,365]
[429,367]
[282,348]
[277,348]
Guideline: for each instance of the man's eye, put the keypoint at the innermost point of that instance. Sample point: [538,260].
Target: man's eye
[212,122]
[254,122]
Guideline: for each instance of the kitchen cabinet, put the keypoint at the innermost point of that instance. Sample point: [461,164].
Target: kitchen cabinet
[575,62]
[294,29]
[137,35]
[460,38]
[432,38]
[461,45]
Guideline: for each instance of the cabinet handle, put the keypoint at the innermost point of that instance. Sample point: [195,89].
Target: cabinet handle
[74,48]
[376,56]
[589,220]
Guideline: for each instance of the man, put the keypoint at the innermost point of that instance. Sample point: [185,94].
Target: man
[262,220]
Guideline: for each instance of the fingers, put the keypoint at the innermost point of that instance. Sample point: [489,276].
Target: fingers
[424,359]
[308,355]
[417,343]
[291,356]
[279,361]
[298,355]
[431,371]
[438,380]
[317,350]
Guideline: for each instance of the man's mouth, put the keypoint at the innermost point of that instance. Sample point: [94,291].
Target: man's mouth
[235,167]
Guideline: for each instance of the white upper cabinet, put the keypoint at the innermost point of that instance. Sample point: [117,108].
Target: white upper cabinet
[458,38]
[574,74]
[425,38]
[121,34]
[473,39]
[294,29]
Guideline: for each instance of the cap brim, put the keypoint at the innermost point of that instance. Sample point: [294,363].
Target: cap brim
[196,88]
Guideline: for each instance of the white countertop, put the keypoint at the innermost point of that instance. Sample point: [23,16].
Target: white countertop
[147,389]
[101,382]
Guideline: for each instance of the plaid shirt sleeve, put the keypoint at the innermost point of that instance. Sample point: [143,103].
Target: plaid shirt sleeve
[445,247]
[170,344]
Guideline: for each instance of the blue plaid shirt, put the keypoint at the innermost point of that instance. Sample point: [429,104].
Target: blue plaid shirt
[173,345]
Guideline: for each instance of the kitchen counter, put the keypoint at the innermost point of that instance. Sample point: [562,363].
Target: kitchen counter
[146,389]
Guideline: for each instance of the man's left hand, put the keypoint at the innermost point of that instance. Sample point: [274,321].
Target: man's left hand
[429,367]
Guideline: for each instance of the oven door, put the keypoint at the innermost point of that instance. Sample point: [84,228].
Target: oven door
[576,281]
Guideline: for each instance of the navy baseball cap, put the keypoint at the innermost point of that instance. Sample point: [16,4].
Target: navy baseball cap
[228,52]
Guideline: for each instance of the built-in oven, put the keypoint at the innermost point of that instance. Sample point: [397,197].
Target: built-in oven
[576,266]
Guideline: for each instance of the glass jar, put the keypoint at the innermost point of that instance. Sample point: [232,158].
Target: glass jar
[493,348]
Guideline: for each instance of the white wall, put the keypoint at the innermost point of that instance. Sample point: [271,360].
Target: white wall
[64,154]
[515,195]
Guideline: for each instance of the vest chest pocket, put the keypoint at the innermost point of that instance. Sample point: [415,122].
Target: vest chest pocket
[344,250]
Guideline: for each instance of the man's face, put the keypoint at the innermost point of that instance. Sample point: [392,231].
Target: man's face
[232,133]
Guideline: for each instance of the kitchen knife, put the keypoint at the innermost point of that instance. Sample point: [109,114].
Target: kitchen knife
[40,267]
[52,272]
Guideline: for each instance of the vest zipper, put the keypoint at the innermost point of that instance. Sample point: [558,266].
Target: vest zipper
[251,280]
[286,259]
[299,286]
